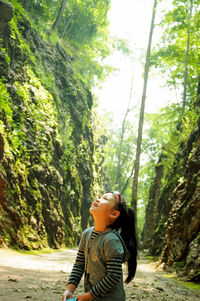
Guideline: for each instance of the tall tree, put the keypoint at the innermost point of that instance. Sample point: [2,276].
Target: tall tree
[176,55]
[122,134]
[126,160]
[141,118]
[59,15]
[190,7]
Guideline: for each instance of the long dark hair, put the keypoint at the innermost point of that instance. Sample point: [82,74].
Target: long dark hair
[126,223]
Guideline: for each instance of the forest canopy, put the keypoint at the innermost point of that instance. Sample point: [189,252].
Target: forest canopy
[81,27]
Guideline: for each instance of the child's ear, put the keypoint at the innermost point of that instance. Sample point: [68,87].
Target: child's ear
[114,214]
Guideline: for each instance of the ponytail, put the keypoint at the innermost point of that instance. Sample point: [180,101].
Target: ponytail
[126,223]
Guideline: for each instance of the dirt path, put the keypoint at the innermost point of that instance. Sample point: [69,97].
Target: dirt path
[43,277]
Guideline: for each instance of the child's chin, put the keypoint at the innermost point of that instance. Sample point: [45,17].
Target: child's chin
[92,209]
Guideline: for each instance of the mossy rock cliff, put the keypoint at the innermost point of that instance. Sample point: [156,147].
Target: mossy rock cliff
[173,232]
[46,140]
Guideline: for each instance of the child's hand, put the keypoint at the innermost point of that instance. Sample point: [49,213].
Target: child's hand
[67,295]
[84,297]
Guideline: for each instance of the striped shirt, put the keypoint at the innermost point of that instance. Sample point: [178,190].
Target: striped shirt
[113,267]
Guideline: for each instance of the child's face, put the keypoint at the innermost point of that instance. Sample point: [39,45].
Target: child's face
[103,207]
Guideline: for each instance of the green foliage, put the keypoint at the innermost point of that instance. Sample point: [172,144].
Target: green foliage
[186,285]
[42,10]
[121,45]
[169,56]
[5,55]
[83,32]
[5,105]
[140,216]
[85,20]
[16,35]
[168,130]
[119,175]
[41,111]
[162,126]
[6,113]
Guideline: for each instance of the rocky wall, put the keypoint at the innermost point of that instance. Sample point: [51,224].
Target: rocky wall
[173,232]
[46,140]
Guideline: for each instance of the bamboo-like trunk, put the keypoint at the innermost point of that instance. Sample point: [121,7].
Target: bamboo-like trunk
[141,118]
[123,130]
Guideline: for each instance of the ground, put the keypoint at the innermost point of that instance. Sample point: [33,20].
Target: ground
[43,277]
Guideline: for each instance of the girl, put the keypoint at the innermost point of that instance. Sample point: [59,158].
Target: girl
[102,251]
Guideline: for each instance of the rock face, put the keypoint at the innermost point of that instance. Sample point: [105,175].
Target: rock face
[6,14]
[151,218]
[174,232]
[46,141]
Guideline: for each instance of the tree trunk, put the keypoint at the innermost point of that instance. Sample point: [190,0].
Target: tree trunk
[25,3]
[119,173]
[59,15]
[187,56]
[67,27]
[127,181]
[198,89]
[141,119]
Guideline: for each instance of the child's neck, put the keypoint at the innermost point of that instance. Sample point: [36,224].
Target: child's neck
[100,227]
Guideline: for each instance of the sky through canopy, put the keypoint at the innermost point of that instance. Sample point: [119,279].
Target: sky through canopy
[131,20]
